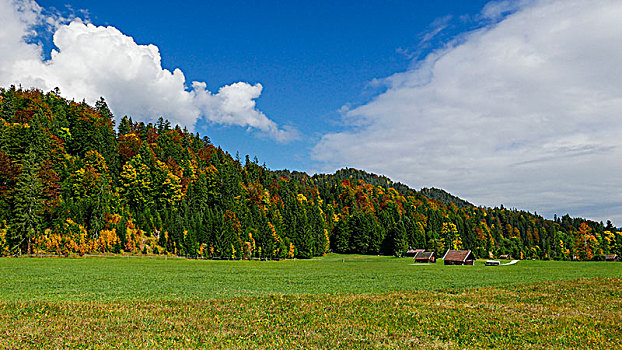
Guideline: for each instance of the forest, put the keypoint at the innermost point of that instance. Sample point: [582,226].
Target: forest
[73,182]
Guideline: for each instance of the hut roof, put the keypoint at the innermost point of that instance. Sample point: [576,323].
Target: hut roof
[424,255]
[459,255]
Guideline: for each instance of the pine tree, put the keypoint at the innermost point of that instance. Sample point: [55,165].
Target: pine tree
[8,105]
[28,203]
[125,126]
[340,240]
[397,236]
[102,107]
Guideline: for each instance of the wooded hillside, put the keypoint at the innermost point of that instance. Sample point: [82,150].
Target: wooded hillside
[71,183]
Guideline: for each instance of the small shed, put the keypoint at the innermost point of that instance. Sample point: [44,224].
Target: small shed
[459,257]
[505,256]
[413,252]
[612,257]
[425,257]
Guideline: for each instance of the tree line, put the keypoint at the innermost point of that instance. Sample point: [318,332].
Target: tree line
[70,183]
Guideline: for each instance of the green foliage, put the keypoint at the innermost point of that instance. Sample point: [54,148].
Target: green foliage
[7,112]
[161,189]
[445,197]
[27,204]
[135,181]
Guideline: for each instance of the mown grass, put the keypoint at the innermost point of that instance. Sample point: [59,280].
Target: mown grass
[125,278]
[337,302]
[574,314]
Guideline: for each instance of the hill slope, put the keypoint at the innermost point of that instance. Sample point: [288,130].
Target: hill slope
[70,183]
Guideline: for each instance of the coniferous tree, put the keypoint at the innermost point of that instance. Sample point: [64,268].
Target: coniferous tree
[153,188]
[397,238]
[28,203]
[125,126]
[8,105]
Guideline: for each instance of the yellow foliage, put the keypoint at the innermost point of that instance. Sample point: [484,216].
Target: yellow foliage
[252,242]
[74,240]
[106,241]
[301,198]
[450,230]
[457,242]
[565,251]
[290,253]
[277,239]
[248,250]
[134,238]
[3,248]
[609,241]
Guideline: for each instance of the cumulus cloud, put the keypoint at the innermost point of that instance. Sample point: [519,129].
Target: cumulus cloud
[91,61]
[524,112]
[235,105]
[17,21]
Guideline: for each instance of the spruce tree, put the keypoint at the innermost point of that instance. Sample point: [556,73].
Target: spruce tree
[397,236]
[125,126]
[8,105]
[28,203]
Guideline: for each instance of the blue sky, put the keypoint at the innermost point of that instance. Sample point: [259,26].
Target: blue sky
[513,102]
[312,58]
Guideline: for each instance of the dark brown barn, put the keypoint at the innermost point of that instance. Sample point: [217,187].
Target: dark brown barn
[612,257]
[425,257]
[413,252]
[459,257]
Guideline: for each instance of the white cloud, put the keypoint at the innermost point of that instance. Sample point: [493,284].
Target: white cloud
[17,21]
[92,61]
[235,105]
[436,27]
[524,112]
[495,10]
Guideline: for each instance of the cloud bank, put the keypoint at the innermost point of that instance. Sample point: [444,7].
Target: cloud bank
[91,61]
[526,111]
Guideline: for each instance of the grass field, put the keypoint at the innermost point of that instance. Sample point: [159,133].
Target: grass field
[331,302]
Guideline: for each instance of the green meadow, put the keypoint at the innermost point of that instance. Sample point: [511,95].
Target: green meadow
[337,301]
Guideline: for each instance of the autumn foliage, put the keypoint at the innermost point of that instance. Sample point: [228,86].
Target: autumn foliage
[70,183]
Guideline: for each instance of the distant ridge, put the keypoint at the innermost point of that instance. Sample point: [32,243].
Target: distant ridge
[70,183]
[445,197]
[383,181]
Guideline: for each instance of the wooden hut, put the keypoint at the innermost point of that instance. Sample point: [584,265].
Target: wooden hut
[459,257]
[413,252]
[612,257]
[425,257]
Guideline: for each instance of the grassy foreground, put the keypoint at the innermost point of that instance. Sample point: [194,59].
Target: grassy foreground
[131,278]
[102,304]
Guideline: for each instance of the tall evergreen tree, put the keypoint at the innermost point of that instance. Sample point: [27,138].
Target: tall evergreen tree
[28,204]
[8,105]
